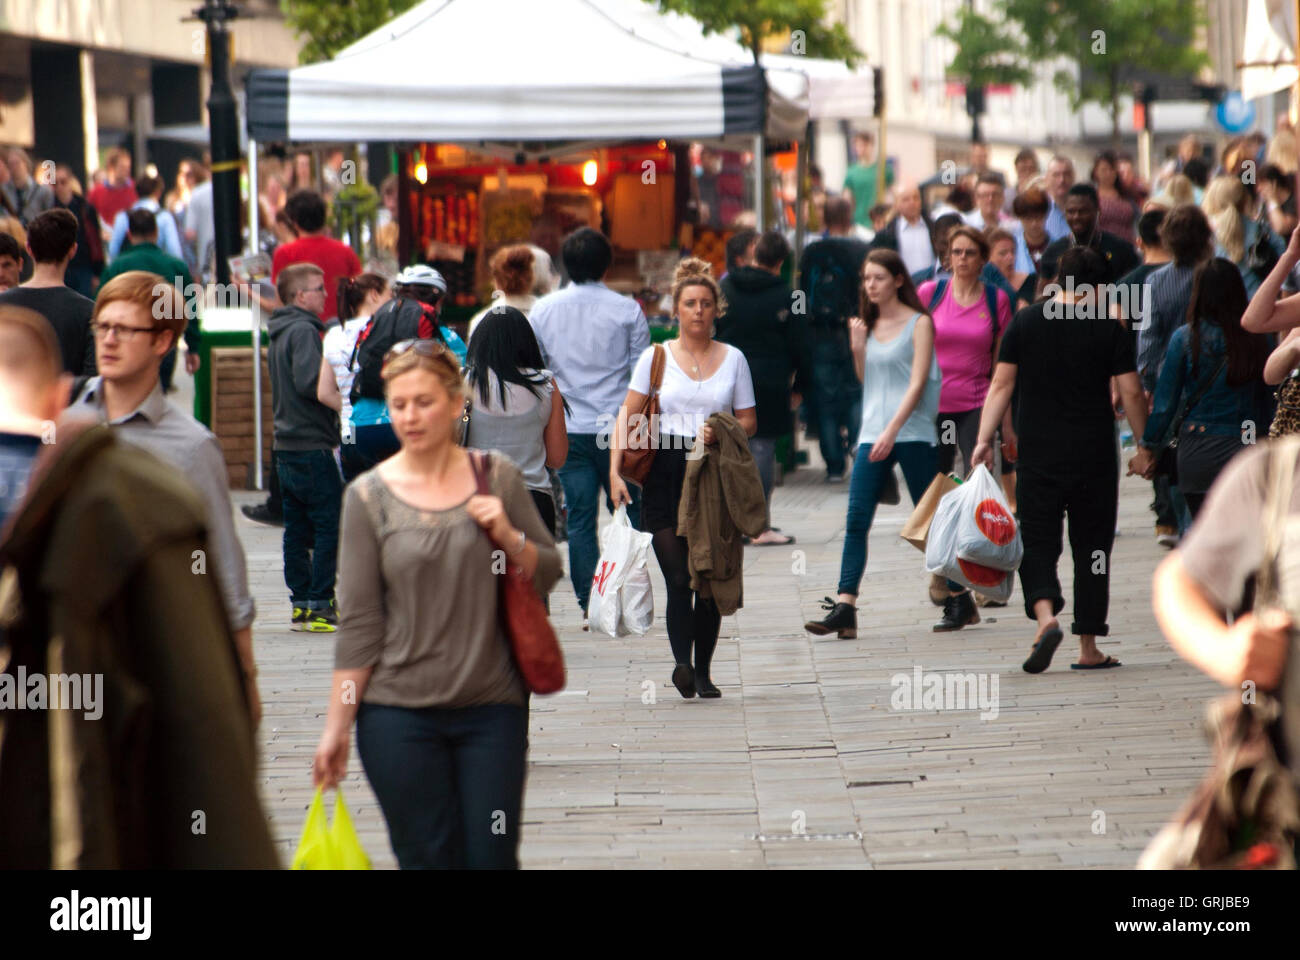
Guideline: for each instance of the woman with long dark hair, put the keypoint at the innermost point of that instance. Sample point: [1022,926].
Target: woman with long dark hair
[515,404]
[1213,361]
[893,355]
[1116,210]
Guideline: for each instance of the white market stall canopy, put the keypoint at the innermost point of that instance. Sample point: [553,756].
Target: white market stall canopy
[473,70]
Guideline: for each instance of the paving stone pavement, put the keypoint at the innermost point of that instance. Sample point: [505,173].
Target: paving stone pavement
[803,762]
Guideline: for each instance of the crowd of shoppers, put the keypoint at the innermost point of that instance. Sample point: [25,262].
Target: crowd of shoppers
[984,328]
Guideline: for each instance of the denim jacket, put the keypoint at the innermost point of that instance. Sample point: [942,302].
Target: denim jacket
[1222,410]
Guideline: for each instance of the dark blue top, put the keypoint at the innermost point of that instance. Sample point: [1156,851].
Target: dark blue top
[1222,410]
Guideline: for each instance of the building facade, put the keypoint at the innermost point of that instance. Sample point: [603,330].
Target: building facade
[78,77]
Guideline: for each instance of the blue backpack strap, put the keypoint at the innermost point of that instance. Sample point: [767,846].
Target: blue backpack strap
[938,293]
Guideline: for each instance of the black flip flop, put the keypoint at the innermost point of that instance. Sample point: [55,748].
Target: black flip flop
[1104,665]
[1044,649]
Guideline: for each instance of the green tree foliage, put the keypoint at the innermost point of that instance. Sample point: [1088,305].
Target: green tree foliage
[757,19]
[1107,39]
[987,52]
[327,26]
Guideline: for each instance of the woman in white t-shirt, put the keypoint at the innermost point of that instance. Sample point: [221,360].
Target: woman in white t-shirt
[358,298]
[701,377]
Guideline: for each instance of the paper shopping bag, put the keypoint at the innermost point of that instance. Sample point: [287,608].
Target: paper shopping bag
[917,528]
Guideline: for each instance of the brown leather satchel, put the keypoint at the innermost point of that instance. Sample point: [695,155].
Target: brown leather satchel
[532,639]
[642,436]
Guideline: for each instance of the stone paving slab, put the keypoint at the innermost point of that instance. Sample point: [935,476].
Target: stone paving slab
[805,735]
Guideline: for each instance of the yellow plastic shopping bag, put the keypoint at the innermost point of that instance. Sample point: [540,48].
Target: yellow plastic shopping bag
[329,847]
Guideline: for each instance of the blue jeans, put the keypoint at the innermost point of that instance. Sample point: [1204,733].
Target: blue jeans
[167,372]
[374,444]
[450,782]
[837,399]
[584,474]
[312,491]
[80,279]
[919,461]
[763,450]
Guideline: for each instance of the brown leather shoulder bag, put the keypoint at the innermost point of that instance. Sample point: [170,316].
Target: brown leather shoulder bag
[642,434]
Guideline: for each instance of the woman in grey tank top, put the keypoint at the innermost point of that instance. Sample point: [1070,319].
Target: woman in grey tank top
[893,356]
[516,407]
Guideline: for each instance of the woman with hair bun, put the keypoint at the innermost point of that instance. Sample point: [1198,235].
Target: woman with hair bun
[512,272]
[702,376]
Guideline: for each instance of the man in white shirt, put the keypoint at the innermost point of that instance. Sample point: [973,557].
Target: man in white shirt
[1060,178]
[591,338]
[909,231]
[989,194]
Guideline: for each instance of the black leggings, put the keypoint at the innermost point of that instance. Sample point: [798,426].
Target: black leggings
[690,616]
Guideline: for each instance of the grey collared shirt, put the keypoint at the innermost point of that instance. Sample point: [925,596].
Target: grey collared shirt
[172,436]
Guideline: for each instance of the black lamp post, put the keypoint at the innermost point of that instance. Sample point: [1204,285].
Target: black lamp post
[223,123]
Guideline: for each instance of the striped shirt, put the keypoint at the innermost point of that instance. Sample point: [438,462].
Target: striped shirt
[1169,291]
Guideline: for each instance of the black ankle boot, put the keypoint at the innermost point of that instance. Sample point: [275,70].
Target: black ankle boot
[958,611]
[684,680]
[842,619]
[705,688]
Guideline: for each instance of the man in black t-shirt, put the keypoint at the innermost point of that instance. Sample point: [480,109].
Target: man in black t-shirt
[1081,209]
[1058,358]
[52,242]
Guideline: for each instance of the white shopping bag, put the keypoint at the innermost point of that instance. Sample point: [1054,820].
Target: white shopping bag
[987,532]
[621,602]
[974,539]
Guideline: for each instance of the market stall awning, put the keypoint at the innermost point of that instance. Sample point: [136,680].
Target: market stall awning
[460,71]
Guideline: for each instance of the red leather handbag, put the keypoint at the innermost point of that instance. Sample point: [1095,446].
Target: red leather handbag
[533,641]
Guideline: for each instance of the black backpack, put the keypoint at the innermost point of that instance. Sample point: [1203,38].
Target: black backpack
[397,320]
[829,300]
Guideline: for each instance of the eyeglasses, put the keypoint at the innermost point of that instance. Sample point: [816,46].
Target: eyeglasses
[964,252]
[424,348]
[320,289]
[120,331]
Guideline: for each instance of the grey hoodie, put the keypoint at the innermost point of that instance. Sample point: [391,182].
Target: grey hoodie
[301,421]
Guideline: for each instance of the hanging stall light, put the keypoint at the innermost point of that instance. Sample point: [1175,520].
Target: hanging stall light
[589,172]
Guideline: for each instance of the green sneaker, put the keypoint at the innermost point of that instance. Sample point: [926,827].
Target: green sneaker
[299,621]
[322,621]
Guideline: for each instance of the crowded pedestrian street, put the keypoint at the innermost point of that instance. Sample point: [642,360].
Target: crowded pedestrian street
[612,442]
[803,763]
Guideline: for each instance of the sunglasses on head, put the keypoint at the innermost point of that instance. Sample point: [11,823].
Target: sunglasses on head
[424,348]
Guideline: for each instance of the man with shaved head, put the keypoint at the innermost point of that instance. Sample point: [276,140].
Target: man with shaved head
[109,599]
[910,232]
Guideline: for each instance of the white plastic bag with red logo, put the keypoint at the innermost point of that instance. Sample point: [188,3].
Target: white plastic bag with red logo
[975,539]
[622,600]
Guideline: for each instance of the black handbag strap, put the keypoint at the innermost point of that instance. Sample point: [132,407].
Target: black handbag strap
[1171,433]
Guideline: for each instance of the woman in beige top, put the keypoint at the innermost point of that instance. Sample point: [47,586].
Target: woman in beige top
[422,662]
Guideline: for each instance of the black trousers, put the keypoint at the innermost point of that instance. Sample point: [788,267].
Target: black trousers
[1089,498]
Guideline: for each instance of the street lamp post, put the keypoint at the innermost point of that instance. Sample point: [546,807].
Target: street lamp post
[223,129]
